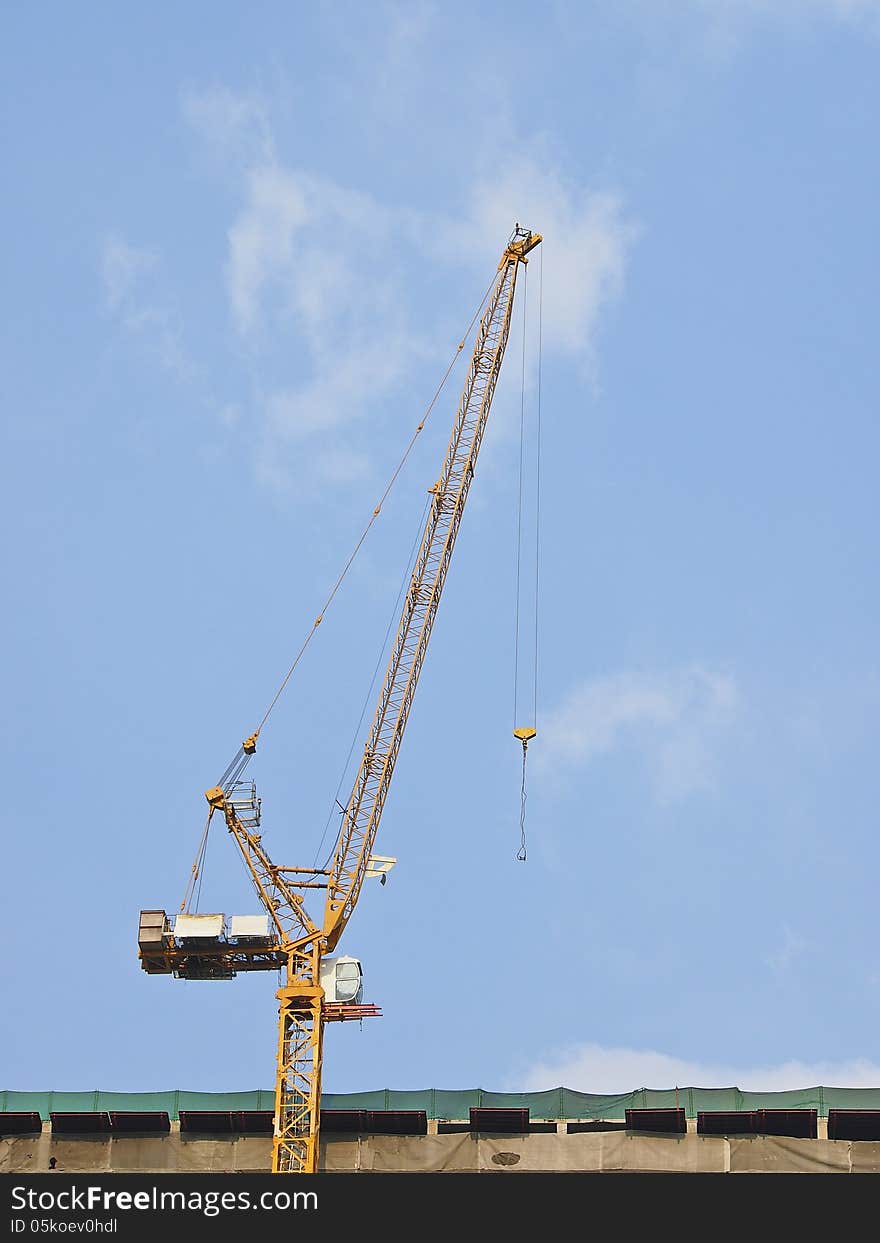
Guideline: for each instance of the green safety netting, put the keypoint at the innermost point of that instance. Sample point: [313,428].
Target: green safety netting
[555,1103]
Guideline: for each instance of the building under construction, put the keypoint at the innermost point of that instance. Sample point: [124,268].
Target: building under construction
[685,1130]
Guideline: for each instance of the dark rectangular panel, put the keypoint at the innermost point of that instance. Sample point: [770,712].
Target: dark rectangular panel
[396,1122]
[148,1122]
[798,1123]
[254,1121]
[661,1121]
[206,1122]
[854,1123]
[500,1121]
[727,1122]
[343,1121]
[594,1124]
[20,1124]
[80,1123]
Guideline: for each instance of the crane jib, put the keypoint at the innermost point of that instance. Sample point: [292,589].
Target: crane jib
[364,808]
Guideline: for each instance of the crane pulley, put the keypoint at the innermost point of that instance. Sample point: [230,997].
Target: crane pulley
[294,942]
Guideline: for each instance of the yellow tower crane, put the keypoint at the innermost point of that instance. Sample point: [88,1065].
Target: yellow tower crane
[288,939]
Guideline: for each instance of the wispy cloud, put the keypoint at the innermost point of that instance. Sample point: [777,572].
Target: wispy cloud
[730,20]
[122,268]
[125,273]
[298,249]
[306,258]
[790,948]
[233,124]
[673,717]
[846,10]
[331,267]
[594,1068]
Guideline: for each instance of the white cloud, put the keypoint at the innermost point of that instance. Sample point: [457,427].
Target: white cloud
[304,233]
[593,1068]
[335,396]
[674,717]
[849,8]
[125,271]
[331,269]
[792,945]
[729,19]
[844,9]
[309,421]
[309,250]
[122,267]
[262,242]
[322,465]
[234,125]
[305,257]
[584,252]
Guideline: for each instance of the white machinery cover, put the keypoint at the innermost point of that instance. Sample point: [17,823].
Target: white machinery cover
[249,926]
[202,926]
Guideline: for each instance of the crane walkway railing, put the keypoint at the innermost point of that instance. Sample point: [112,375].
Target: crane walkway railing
[243,800]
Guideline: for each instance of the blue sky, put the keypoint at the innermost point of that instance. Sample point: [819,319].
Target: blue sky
[242,244]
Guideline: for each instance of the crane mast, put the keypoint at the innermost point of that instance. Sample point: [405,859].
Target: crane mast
[298,944]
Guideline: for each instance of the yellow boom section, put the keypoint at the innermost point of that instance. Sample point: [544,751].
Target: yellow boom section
[363,810]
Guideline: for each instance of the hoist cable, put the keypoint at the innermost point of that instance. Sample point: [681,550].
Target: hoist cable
[232,775]
[519,507]
[538,477]
[197,866]
[201,874]
[524,734]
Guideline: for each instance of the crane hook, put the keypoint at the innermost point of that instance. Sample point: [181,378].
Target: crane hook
[525,736]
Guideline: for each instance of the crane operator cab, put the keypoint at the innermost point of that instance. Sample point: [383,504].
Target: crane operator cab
[342,980]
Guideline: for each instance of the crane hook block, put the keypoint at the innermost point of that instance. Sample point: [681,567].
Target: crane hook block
[249,745]
[525,735]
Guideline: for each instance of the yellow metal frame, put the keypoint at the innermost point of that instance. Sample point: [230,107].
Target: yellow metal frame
[297,940]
